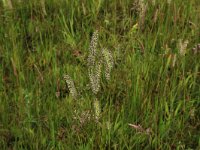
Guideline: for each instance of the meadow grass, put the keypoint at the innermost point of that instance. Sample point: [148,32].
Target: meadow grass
[152,100]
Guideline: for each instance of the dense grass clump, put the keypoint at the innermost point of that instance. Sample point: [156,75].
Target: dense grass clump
[100,74]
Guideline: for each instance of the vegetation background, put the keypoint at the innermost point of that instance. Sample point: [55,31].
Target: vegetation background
[152,100]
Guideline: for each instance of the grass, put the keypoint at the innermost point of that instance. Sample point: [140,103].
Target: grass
[152,100]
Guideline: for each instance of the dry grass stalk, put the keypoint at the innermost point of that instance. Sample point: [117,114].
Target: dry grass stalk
[140,129]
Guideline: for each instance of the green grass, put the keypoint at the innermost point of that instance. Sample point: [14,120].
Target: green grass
[146,88]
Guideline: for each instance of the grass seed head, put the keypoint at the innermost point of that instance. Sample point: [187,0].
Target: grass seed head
[182,46]
[108,62]
[71,86]
[94,76]
[97,109]
[94,64]
[93,44]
